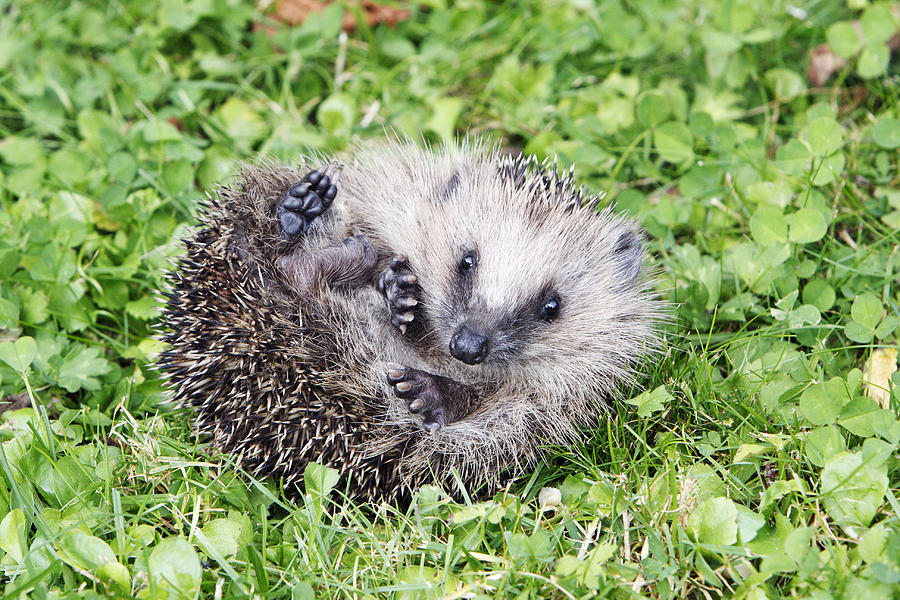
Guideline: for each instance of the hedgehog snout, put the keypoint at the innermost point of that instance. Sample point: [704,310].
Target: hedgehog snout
[469,345]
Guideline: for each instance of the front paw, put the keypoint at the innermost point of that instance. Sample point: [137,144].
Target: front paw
[422,394]
[398,286]
[303,202]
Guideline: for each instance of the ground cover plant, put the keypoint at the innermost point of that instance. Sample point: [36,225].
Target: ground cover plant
[759,459]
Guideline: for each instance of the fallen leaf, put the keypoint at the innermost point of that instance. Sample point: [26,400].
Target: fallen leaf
[294,12]
[14,402]
[823,63]
[879,368]
[176,123]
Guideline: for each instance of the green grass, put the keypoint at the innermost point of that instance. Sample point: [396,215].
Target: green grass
[756,464]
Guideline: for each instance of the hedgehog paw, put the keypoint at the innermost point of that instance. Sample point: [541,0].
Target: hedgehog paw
[423,394]
[303,202]
[398,286]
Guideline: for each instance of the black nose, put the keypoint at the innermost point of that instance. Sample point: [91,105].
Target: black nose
[468,345]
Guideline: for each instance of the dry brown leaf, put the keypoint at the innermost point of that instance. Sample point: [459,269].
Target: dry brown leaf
[877,375]
[293,12]
[823,63]
[14,402]
[893,44]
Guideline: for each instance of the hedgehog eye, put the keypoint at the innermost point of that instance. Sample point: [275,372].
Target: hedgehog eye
[468,263]
[550,308]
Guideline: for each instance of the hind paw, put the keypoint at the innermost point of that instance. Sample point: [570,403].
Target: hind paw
[398,286]
[423,395]
[303,202]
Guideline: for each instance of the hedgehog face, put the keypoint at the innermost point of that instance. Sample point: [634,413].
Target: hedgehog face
[515,276]
[520,281]
[495,306]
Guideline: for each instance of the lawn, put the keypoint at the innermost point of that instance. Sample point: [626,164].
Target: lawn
[757,143]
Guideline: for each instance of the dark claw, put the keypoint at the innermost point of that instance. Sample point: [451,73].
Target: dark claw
[398,286]
[303,202]
[422,394]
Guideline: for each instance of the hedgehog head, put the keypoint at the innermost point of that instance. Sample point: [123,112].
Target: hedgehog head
[523,281]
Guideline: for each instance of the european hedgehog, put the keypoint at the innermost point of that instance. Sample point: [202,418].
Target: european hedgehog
[404,314]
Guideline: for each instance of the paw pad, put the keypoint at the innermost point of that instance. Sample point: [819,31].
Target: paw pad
[303,202]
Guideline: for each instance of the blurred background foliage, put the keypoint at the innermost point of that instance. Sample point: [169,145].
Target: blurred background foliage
[756,142]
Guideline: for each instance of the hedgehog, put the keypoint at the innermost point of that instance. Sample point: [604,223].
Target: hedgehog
[406,316]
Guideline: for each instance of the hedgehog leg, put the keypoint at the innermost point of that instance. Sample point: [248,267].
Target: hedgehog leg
[351,264]
[398,286]
[303,202]
[440,401]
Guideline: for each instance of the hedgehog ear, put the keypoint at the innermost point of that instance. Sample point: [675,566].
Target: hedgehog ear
[628,253]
